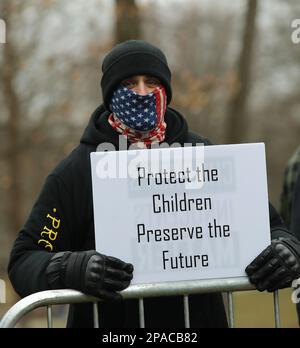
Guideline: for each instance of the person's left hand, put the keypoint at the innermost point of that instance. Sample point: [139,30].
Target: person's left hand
[276,266]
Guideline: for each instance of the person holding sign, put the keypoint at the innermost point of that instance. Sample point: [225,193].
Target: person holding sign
[55,248]
[290,200]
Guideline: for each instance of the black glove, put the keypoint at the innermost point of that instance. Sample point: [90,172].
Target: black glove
[90,272]
[276,266]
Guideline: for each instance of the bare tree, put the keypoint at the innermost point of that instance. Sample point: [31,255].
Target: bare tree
[127,21]
[237,107]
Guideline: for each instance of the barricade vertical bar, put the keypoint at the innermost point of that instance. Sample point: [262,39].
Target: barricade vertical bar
[49,317]
[141,313]
[186,311]
[230,309]
[95,315]
[276,308]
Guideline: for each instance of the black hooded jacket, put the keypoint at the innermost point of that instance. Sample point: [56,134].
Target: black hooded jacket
[62,220]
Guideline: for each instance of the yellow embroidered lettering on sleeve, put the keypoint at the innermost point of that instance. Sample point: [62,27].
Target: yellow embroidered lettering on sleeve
[47,244]
[55,222]
[50,232]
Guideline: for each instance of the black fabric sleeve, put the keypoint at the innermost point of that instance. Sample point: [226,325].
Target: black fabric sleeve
[278,228]
[295,213]
[46,232]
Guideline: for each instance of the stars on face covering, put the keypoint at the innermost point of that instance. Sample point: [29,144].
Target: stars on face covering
[136,111]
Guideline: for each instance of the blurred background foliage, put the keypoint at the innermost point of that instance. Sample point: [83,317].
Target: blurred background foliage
[236,79]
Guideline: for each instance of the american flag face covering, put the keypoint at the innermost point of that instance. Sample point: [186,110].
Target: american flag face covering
[139,117]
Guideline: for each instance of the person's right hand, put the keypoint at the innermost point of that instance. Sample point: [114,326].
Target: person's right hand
[105,275]
[97,274]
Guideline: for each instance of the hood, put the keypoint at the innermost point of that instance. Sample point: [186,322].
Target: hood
[99,130]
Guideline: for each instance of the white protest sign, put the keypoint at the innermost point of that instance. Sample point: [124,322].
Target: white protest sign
[182,213]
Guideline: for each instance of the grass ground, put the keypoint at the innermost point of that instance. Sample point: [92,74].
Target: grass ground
[255,309]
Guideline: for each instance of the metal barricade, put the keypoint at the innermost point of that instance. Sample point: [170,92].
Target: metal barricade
[141,291]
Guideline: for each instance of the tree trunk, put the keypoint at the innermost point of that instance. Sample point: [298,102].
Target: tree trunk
[238,105]
[127,21]
[9,70]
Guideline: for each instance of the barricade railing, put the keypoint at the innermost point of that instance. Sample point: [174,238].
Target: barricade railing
[141,291]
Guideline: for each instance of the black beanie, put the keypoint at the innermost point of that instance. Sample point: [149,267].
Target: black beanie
[133,57]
